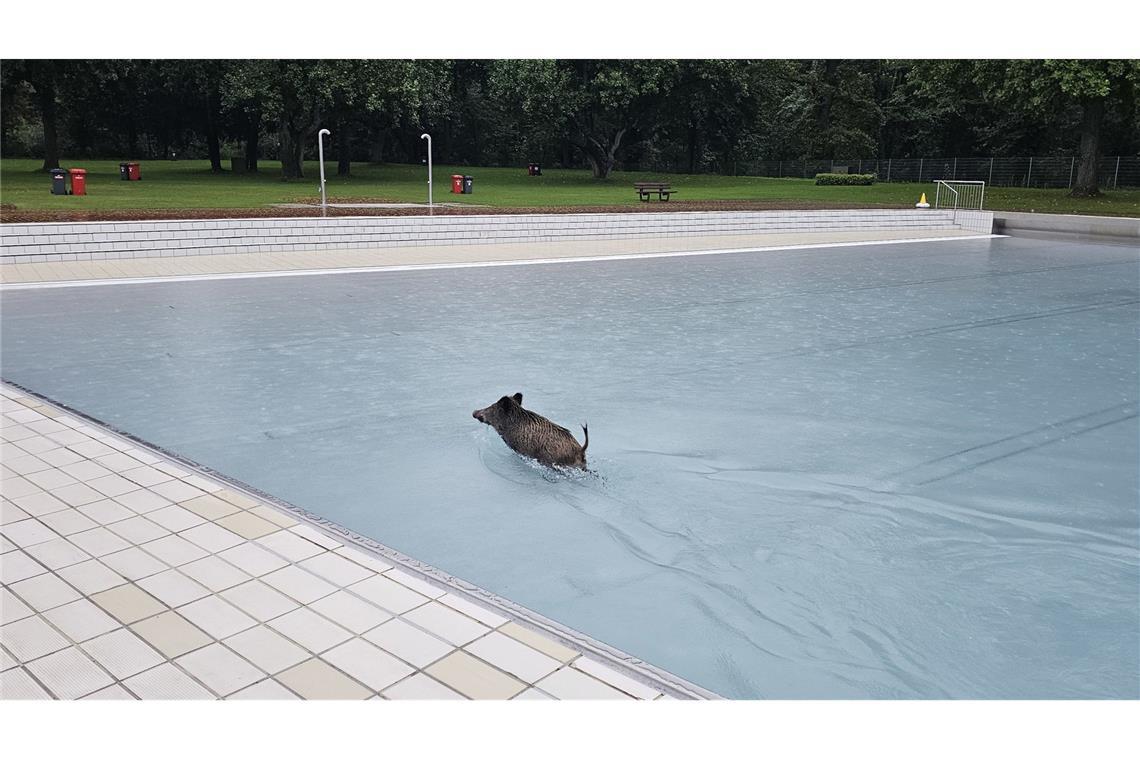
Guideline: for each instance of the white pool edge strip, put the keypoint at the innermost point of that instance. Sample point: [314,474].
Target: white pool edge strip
[626,664]
[470,264]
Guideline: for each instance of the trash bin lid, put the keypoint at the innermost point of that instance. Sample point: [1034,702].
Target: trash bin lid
[78,171]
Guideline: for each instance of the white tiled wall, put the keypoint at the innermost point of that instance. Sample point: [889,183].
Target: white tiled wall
[78,241]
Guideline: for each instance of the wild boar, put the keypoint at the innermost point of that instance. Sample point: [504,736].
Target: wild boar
[533,435]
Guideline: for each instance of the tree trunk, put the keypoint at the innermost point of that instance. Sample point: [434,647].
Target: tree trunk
[1085,184]
[252,136]
[46,91]
[343,149]
[692,139]
[213,146]
[291,151]
[600,153]
[377,144]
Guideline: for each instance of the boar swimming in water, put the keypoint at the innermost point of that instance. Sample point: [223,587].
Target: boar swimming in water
[533,435]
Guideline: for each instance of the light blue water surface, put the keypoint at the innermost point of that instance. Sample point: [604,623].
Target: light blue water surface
[880,471]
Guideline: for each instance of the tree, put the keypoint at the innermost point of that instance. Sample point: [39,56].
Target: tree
[1042,91]
[291,95]
[43,76]
[597,103]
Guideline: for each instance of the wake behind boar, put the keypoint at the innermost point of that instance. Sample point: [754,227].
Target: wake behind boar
[533,435]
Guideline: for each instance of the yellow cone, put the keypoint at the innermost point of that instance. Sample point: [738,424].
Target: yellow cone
[922,199]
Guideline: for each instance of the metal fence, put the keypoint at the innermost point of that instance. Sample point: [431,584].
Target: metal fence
[1032,171]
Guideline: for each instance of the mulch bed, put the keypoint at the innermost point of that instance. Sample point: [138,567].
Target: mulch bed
[9,214]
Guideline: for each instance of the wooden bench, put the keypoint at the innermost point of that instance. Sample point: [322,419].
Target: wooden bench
[645,189]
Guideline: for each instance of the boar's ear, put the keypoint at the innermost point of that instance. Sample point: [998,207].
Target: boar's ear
[518,398]
[504,403]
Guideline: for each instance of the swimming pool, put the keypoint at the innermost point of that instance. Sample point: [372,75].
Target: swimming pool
[878,471]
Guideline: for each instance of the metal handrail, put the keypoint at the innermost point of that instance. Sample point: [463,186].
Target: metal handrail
[979,185]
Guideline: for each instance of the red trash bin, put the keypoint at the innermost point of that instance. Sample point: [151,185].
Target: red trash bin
[78,181]
[133,170]
[457,183]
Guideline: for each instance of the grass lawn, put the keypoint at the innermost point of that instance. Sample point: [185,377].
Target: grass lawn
[189,184]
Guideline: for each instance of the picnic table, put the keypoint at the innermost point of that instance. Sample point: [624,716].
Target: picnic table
[645,189]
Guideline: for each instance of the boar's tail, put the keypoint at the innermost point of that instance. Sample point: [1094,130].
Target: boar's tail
[586,432]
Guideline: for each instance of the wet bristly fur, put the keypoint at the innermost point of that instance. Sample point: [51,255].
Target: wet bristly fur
[533,435]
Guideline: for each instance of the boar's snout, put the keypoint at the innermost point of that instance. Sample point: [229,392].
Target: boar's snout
[478,414]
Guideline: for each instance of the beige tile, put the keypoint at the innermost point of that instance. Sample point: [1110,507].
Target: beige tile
[315,679]
[473,678]
[171,634]
[237,499]
[128,603]
[210,507]
[273,516]
[538,641]
[247,525]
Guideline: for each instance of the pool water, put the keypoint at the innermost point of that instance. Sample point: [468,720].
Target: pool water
[884,471]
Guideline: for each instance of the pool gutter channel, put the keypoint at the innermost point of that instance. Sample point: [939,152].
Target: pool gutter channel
[628,665]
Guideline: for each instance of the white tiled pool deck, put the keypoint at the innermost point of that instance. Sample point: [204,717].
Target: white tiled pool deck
[128,576]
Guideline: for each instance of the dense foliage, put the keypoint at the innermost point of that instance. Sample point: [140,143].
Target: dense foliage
[657,115]
[844,179]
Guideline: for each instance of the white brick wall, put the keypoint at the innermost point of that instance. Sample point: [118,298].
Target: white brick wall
[107,240]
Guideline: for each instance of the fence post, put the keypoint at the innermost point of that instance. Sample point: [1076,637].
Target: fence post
[780,170]
[888,170]
[1116,174]
[954,171]
[991,180]
[1072,163]
[920,170]
[805,168]
[1029,174]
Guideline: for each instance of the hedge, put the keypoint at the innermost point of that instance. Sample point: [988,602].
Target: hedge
[844,179]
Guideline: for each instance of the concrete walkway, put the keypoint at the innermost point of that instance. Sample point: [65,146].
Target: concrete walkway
[441,254]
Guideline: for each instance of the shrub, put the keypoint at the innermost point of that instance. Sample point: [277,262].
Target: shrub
[844,179]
